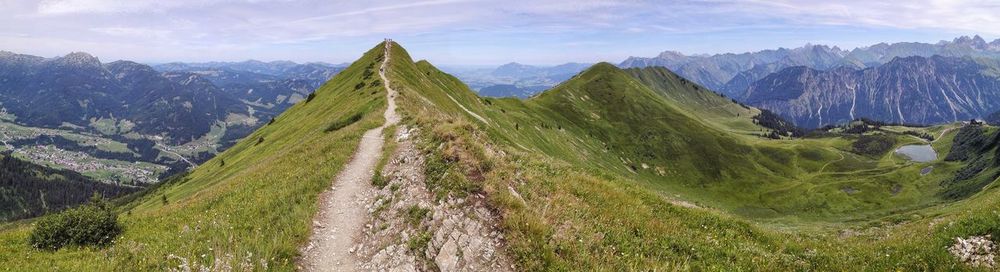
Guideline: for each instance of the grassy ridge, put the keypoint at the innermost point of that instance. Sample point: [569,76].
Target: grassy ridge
[565,170]
[700,102]
[253,212]
[607,122]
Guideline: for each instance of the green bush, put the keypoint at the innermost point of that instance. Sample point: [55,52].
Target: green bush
[874,145]
[378,180]
[92,224]
[339,124]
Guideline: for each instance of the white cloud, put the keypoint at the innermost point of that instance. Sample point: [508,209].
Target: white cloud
[56,7]
[61,7]
[133,32]
[955,15]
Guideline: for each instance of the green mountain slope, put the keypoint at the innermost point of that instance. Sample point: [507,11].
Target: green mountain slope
[566,169]
[249,208]
[697,100]
[678,140]
[611,170]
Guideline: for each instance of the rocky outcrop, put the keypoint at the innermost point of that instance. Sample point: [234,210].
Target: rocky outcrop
[412,230]
[976,251]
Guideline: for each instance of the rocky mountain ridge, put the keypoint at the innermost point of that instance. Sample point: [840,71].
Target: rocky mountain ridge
[732,73]
[914,90]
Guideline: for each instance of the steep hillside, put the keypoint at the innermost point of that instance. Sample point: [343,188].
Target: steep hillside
[979,148]
[912,90]
[698,100]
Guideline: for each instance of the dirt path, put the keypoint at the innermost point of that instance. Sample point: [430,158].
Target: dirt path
[342,216]
[468,111]
[943,132]
[842,157]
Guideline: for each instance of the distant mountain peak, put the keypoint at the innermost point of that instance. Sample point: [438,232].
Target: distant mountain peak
[124,68]
[975,41]
[671,54]
[283,62]
[513,64]
[253,61]
[603,66]
[80,59]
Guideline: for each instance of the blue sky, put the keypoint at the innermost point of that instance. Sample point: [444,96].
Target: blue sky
[471,32]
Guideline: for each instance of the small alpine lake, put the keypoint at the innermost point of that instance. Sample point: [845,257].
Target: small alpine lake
[918,153]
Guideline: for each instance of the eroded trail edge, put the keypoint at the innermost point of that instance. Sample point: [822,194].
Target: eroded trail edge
[342,215]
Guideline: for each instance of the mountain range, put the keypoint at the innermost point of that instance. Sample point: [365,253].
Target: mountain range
[732,73]
[77,89]
[913,90]
[816,85]
[724,72]
[765,79]
[178,101]
[271,86]
[515,79]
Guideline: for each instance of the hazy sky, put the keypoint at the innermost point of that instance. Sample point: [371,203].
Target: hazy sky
[471,31]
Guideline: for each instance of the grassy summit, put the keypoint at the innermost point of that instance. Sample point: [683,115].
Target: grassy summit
[611,170]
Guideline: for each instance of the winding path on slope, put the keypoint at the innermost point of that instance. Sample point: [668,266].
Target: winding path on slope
[342,213]
[943,132]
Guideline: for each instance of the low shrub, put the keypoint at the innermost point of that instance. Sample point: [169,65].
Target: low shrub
[94,224]
[344,122]
[415,214]
[874,145]
[922,135]
[378,180]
